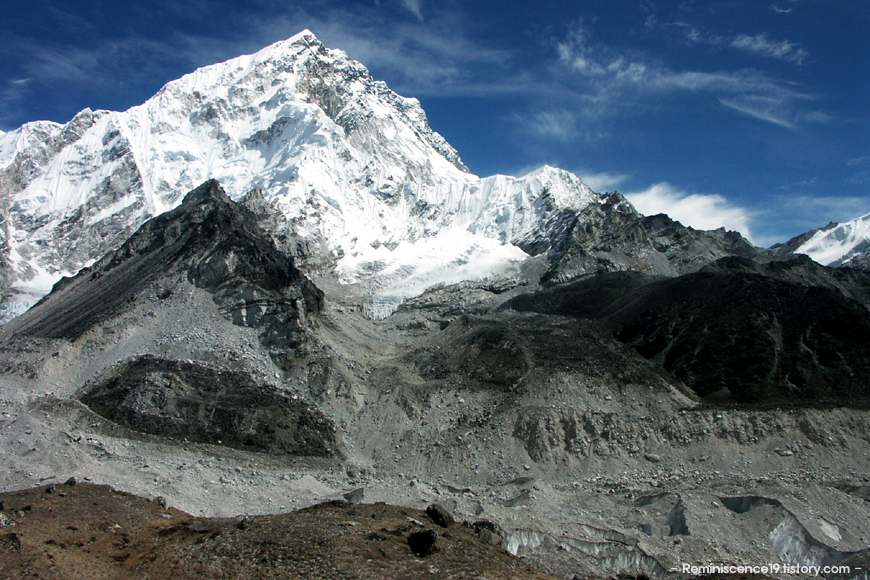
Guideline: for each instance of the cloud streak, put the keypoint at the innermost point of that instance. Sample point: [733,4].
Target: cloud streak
[11,96]
[747,91]
[762,45]
[415,7]
[767,109]
[602,181]
[561,125]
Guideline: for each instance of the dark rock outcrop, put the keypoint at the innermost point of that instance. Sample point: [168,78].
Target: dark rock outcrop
[489,532]
[439,514]
[185,400]
[612,236]
[745,334]
[212,241]
[355,496]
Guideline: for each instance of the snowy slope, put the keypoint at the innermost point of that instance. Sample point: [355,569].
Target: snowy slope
[839,244]
[343,157]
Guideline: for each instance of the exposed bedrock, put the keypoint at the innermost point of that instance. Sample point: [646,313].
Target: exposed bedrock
[186,400]
[732,334]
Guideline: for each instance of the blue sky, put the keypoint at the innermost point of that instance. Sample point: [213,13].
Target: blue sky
[751,114]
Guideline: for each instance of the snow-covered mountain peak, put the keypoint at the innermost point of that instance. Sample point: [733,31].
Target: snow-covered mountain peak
[347,161]
[25,137]
[565,189]
[838,244]
[302,70]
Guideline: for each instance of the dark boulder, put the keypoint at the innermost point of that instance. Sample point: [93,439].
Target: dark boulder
[423,543]
[489,532]
[439,514]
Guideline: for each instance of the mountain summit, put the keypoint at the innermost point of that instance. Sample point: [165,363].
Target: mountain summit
[345,160]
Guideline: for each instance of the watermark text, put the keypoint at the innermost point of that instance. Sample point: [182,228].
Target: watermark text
[777,568]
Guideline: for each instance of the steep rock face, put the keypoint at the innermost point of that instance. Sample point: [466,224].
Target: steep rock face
[212,242]
[801,270]
[610,235]
[212,247]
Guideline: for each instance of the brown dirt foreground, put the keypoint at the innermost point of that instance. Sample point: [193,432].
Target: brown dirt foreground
[91,532]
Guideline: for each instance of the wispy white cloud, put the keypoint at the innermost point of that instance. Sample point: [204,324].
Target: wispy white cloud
[816,117]
[11,96]
[758,44]
[763,45]
[562,125]
[602,181]
[780,10]
[861,169]
[748,91]
[768,109]
[415,7]
[838,207]
[559,125]
[67,20]
[700,211]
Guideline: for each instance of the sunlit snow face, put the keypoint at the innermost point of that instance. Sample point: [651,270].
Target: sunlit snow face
[839,244]
[409,268]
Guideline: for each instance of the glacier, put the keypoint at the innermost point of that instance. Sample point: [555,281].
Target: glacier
[342,158]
